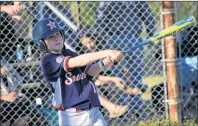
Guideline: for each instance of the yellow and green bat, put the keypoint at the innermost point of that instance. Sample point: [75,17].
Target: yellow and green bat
[175,28]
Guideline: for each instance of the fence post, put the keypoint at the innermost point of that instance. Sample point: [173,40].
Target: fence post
[171,68]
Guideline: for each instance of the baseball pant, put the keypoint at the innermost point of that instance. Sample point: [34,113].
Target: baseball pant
[71,117]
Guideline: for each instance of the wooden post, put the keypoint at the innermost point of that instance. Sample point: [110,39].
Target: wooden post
[171,66]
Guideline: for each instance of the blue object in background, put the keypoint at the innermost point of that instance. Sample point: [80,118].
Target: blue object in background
[187,71]
[19,53]
[50,114]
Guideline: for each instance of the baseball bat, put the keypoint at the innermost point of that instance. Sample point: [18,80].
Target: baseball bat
[175,28]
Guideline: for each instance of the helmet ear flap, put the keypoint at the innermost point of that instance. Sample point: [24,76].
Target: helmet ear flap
[42,46]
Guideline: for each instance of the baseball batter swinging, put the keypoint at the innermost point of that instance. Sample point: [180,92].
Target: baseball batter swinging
[70,75]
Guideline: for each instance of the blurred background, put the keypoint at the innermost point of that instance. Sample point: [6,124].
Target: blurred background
[94,26]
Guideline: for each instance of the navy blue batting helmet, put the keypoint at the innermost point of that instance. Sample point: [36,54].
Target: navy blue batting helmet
[43,29]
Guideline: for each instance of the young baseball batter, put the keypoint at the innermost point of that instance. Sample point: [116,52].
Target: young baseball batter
[70,75]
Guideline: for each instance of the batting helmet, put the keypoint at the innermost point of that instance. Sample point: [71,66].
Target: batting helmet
[44,28]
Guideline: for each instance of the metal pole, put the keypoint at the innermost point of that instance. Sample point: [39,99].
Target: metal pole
[164,66]
[179,41]
[171,68]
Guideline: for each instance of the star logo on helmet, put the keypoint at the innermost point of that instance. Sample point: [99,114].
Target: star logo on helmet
[52,25]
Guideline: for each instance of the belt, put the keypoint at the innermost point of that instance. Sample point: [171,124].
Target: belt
[77,109]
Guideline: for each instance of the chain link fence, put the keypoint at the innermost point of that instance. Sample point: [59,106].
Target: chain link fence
[93,26]
[187,64]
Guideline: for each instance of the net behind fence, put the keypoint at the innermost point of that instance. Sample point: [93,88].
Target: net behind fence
[89,27]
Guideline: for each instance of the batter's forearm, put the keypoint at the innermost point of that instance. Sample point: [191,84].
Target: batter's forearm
[87,58]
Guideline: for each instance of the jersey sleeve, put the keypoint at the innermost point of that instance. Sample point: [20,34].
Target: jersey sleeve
[70,55]
[51,66]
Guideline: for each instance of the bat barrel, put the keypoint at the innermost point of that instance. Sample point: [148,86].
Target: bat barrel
[177,27]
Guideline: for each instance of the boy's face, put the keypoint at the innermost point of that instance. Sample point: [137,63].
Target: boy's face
[54,42]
